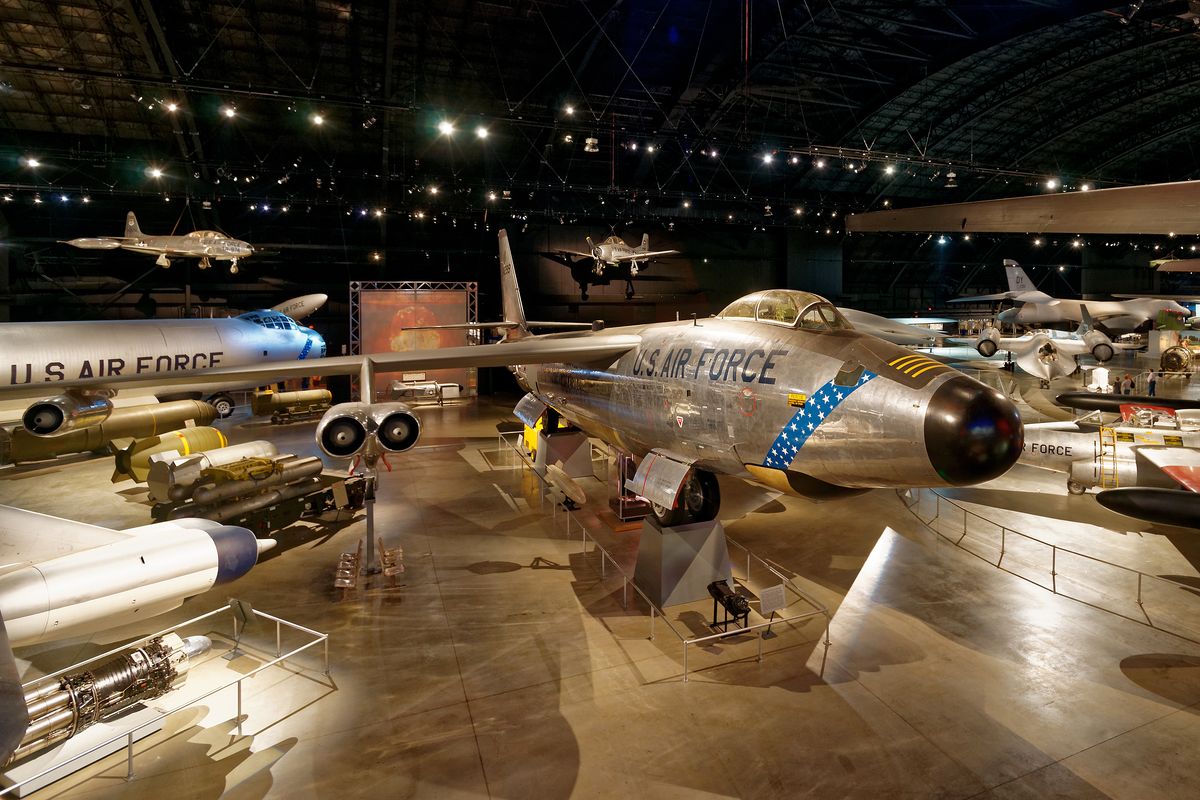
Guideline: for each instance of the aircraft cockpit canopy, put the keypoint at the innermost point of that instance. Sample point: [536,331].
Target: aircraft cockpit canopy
[790,308]
[205,235]
[271,319]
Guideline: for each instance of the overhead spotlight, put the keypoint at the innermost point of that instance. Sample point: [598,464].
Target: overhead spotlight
[376,256]
[767,158]
[266,207]
[172,107]
[32,162]
[568,109]
[446,128]
[1052,183]
[794,160]
[254,206]
[1085,187]
[368,123]
[797,211]
[687,203]
[819,163]
[767,210]
[966,237]
[481,132]
[62,198]
[491,196]
[568,138]
[633,145]
[433,190]
[318,119]
[951,180]
[1076,243]
[730,216]
[942,240]
[8,198]
[1062,268]
[229,111]
[1037,242]
[284,209]
[362,212]
[379,212]
[419,215]
[155,172]
[890,169]
[649,148]
[887,203]
[591,145]
[37,199]
[712,153]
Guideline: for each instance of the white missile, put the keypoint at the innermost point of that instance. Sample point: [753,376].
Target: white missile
[146,571]
[301,307]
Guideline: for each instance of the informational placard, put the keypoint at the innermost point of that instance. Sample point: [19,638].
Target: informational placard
[772,599]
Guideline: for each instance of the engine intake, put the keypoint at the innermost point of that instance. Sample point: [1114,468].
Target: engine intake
[349,429]
[64,413]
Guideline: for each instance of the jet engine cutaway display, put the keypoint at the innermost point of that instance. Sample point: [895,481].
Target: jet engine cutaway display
[367,429]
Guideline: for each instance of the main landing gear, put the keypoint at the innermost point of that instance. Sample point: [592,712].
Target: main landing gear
[699,500]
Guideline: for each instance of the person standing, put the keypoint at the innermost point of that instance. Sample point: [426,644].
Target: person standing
[1152,383]
[1127,384]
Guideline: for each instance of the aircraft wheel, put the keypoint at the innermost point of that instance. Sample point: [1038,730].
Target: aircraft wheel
[699,500]
[1074,487]
[223,403]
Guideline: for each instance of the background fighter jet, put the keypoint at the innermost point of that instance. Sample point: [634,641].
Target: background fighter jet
[204,245]
[1051,354]
[611,259]
[1034,307]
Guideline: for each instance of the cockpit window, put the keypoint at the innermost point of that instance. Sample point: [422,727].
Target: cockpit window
[778,307]
[742,309]
[271,319]
[833,318]
[813,321]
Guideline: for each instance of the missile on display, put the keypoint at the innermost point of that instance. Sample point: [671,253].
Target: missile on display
[136,574]
[1089,401]
[173,479]
[280,406]
[59,709]
[1162,506]
[121,423]
[244,505]
[133,461]
[284,470]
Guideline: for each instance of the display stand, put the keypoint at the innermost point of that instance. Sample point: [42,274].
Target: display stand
[675,565]
[570,447]
[627,505]
[120,728]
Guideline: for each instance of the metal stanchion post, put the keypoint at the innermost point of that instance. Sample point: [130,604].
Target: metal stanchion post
[652,615]
[685,664]
[239,707]
[278,640]
[129,756]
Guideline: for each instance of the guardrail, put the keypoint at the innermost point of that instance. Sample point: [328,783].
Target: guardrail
[318,638]
[1156,598]
[606,559]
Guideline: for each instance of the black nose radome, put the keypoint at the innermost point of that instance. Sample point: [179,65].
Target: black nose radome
[972,432]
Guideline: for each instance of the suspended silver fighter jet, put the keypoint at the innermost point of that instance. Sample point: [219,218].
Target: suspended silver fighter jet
[1035,307]
[204,245]
[1050,354]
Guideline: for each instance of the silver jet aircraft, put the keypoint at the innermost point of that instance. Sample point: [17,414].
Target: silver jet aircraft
[204,245]
[778,389]
[1035,307]
[43,360]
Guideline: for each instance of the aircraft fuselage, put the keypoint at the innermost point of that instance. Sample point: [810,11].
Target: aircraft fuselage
[813,412]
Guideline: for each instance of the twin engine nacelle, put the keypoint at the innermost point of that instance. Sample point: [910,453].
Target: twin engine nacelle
[350,429]
[1101,346]
[67,412]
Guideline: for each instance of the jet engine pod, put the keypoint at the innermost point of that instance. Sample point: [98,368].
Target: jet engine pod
[1100,345]
[66,412]
[988,343]
[396,426]
[342,432]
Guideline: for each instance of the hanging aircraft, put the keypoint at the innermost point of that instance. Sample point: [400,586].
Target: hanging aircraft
[611,259]
[45,359]
[204,245]
[1050,354]
[778,389]
[1035,307]
[1147,465]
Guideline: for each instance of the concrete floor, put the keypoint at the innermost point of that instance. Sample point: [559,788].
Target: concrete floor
[505,666]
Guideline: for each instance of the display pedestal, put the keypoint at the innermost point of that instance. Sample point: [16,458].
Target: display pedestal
[676,565]
[150,719]
[572,448]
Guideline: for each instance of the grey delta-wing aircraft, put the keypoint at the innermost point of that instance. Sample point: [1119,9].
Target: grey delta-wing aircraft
[204,245]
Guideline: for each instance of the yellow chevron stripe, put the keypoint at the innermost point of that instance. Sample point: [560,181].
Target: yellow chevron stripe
[899,362]
[924,362]
[931,366]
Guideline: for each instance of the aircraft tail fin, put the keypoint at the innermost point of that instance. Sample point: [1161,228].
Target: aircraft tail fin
[645,242]
[14,713]
[1086,323]
[510,292]
[1018,281]
[132,231]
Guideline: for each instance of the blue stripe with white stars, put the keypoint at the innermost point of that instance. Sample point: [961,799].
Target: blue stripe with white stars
[805,422]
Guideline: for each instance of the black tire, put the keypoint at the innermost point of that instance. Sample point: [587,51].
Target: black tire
[223,403]
[1076,488]
[699,500]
